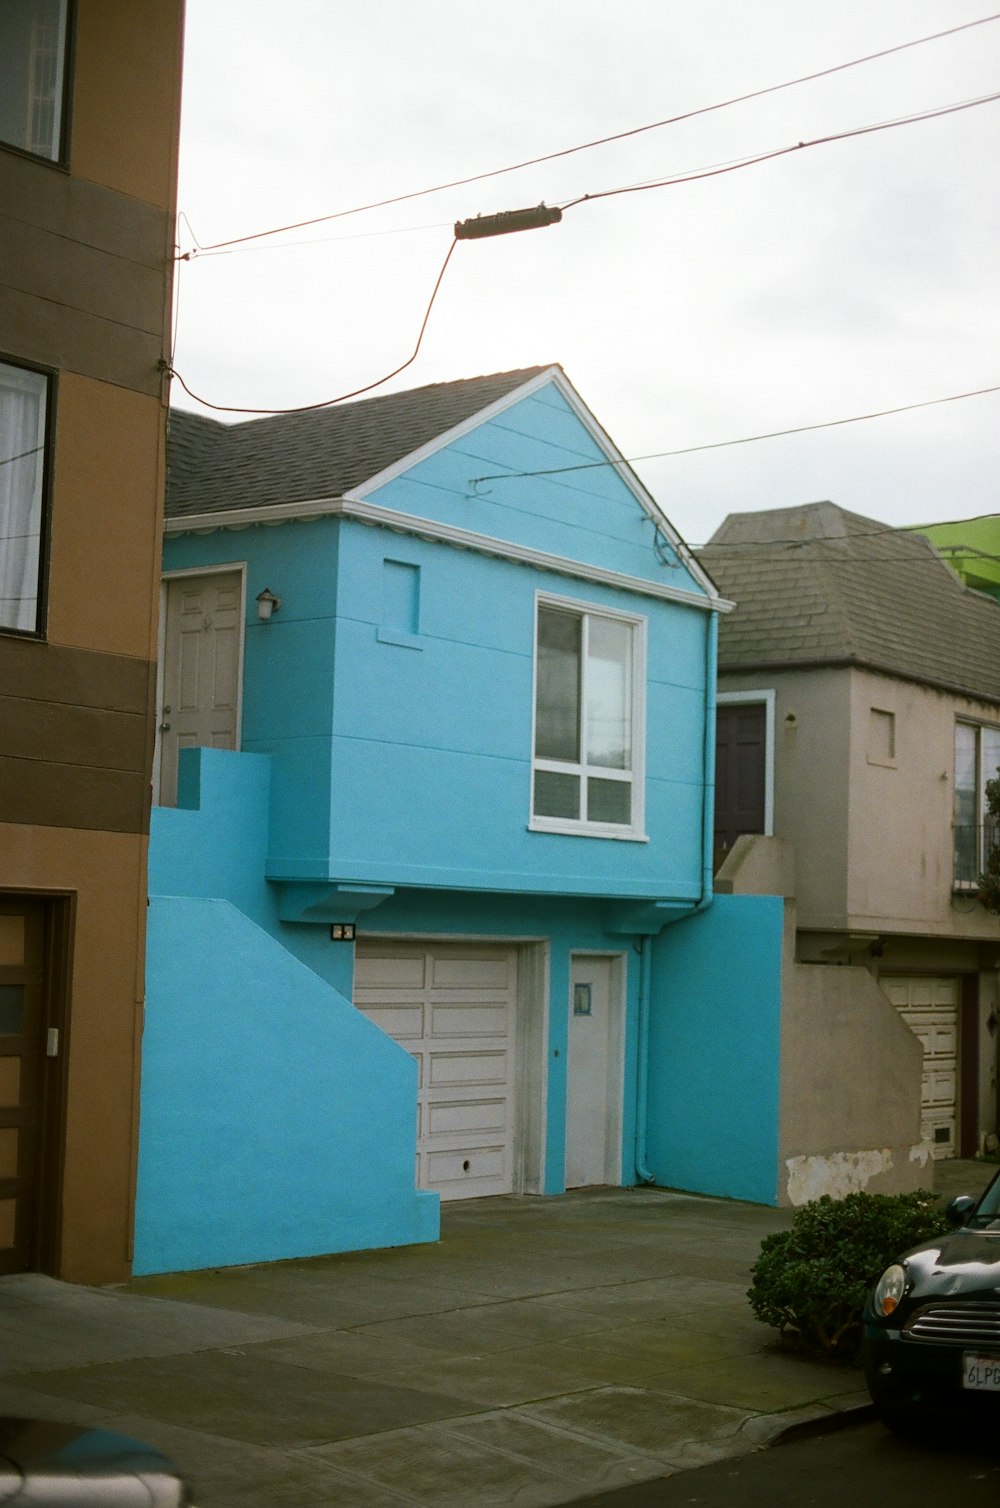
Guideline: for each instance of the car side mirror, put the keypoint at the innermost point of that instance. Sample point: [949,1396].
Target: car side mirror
[959,1209]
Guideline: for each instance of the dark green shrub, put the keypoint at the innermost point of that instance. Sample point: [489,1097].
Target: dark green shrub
[810,1282]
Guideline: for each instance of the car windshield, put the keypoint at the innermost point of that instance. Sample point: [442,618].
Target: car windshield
[988,1208]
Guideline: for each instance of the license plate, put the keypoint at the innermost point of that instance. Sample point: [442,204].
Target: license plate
[981,1372]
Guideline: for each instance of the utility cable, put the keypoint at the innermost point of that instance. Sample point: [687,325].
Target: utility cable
[305,408]
[587,146]
[774,434]
[505,222]
[818,141]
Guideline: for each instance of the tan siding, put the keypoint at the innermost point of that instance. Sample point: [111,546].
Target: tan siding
[127,70]
[121,474]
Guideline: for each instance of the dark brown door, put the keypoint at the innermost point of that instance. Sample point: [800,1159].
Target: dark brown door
[740,747]
[23,1040]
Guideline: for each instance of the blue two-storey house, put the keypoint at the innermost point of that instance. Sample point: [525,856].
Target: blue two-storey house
[434,773]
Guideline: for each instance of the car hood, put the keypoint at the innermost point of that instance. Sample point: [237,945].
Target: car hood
[963,1261]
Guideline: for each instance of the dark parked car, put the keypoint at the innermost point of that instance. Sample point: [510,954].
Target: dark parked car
[932,1323]
[43,1464]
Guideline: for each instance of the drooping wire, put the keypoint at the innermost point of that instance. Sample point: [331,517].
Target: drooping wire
[304,408]
[799,146]
[586,146]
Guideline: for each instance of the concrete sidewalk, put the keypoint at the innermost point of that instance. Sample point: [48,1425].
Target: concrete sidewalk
[545,1349]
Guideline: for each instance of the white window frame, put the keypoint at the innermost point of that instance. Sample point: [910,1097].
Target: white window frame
[634,831]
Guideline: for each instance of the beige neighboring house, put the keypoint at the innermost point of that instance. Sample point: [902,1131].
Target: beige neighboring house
[859,719]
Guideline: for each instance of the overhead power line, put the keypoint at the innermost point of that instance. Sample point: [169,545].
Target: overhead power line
[519,220]
[587,146]
[799,146]
[687,450]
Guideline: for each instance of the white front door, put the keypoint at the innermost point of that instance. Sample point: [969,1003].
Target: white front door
[594,1072]
[202,653]
[454,1007]
[929,1006]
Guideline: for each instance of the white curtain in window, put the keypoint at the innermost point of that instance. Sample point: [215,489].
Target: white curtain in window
[22,438]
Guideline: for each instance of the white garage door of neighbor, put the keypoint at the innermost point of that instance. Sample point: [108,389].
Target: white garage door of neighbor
[929,1006]
[454,1007]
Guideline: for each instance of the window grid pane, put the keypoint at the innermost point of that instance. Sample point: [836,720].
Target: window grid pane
[609,693]
[609,801]
[557,795]
[557,712]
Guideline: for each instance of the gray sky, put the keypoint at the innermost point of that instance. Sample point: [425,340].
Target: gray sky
[838,280]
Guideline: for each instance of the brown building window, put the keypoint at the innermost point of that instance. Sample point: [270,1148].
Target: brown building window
[24,402]
[33,36]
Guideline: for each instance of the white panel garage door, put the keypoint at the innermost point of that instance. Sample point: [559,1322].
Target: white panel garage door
[453,1006]
[929,1006]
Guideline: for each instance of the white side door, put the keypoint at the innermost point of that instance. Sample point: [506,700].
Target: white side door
[594,1071]
[201,670]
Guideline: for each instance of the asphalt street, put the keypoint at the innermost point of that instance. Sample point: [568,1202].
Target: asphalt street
[861,1465]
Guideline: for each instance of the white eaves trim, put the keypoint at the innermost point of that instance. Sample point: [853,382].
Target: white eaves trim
[557,377]
[465,539]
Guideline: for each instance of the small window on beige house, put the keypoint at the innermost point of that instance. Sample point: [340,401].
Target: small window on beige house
[881,737]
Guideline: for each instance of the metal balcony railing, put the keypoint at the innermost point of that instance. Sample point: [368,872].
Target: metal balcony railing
[972,848]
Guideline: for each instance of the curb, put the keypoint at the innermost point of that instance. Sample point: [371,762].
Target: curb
[826,1424]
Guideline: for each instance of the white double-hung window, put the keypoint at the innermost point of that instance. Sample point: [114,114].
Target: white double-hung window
[589,721]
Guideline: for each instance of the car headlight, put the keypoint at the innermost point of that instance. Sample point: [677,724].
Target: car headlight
[889,1289]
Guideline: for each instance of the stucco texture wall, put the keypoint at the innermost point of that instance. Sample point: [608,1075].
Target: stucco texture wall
[850,1093]
[714,1045]
[258,1139]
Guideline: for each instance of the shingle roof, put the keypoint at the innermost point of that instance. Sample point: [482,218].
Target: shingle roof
[298,457]
[816,585]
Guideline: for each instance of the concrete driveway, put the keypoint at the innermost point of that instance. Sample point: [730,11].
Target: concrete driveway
[543,1350]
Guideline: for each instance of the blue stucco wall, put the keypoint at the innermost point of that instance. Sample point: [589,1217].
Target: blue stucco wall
[214,848]
[257,1138]
[587,515]
[715,1050]
[431,717]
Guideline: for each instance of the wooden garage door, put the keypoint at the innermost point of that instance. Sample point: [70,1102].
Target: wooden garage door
[453,1006]
[929,1006]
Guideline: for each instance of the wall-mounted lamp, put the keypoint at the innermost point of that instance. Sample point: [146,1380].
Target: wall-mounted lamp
[342,931]
[267,603]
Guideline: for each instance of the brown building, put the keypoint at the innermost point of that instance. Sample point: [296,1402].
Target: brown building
[89,112]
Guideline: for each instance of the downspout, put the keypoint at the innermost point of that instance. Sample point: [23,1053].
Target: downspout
[642,1172]
[708,794]
[705,899]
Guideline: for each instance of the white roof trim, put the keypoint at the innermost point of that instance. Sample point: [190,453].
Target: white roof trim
[449,436]
[600,436]
[466,539]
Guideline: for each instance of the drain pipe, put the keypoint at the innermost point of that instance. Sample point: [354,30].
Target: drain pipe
[642,1172]
[644,942]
